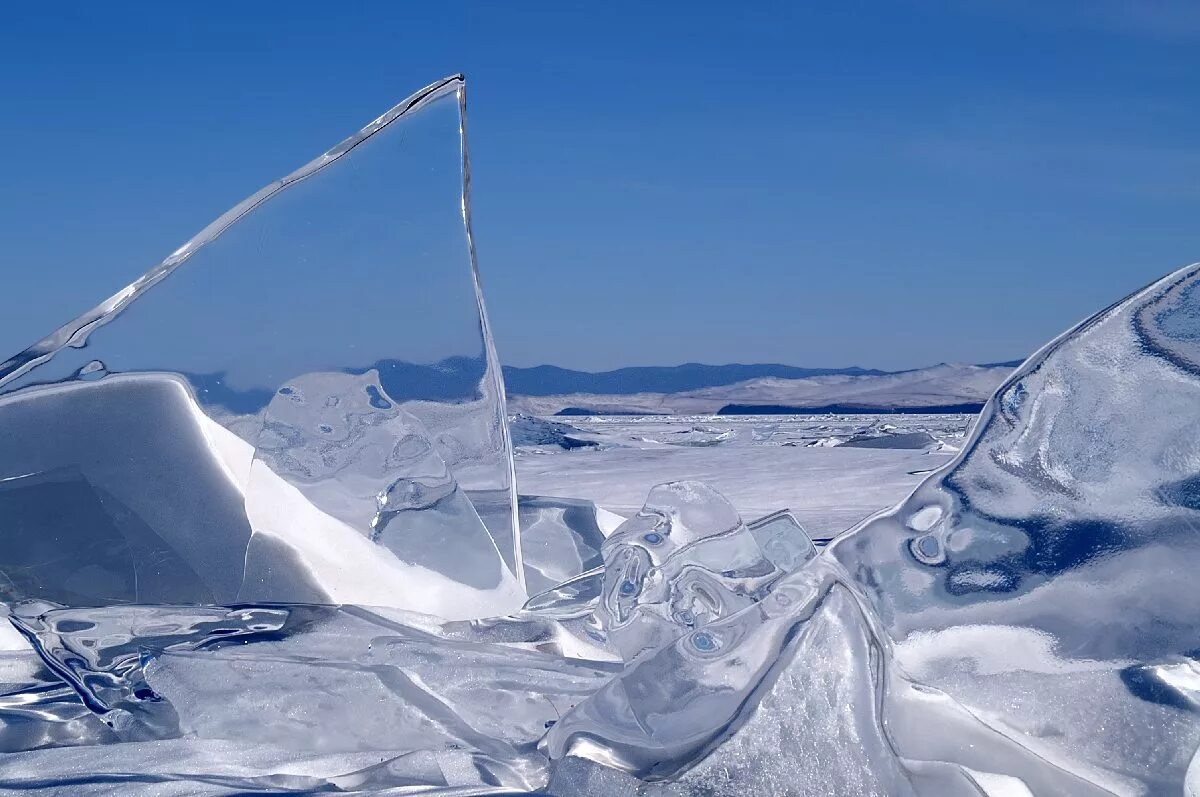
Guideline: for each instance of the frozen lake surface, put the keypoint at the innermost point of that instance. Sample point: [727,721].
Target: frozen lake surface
[760,463]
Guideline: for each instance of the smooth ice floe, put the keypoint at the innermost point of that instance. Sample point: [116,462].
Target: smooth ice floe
[285,554]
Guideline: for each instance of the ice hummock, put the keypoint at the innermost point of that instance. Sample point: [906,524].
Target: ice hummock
[683,562]
[248,546]
[533,433]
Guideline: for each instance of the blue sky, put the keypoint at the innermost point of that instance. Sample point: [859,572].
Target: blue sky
[885,184]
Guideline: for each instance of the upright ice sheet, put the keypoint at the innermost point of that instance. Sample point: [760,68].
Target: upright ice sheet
[1073,511]
[301,404]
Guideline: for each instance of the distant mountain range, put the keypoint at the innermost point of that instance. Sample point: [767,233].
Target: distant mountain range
[765,388]
[751,389]
[550,380]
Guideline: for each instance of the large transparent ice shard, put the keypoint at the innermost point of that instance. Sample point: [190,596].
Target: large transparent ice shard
[1082,478]
[1045,579]
[291,407]
[561,538]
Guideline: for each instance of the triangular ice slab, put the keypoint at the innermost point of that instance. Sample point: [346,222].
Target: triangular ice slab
[349,286]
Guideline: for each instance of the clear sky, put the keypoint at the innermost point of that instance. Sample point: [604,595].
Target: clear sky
[884,184]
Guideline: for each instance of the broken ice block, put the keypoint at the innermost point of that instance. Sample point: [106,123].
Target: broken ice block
[783,540]
[529,431]
[1080,480]
[560,538]
[684,561]
[301,404]
[573,598]
[669,708]
[325,681]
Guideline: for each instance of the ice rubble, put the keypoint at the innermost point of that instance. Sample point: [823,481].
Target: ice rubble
[249,545]
[697,436]
[914,440]
[530,432]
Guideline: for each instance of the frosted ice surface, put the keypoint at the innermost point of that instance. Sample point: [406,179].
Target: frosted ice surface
[817,731]
[301,404]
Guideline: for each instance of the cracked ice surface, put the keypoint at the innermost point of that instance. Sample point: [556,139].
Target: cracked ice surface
[266,543]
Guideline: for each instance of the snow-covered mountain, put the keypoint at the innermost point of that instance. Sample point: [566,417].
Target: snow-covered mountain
[945,387]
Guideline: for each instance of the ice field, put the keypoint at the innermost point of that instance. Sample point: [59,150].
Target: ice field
[293,539]
[760,463]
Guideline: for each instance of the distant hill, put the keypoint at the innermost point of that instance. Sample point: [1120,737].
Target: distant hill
[831,409]
[940,388]
[764,388]
[550,380]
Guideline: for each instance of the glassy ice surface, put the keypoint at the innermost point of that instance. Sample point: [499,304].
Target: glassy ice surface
[257,536]
[302,404]
[682,563]
[1044,580]
[561,538]
[783,540]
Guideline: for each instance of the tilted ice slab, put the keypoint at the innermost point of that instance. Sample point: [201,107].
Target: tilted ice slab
[1045,578]
[561,538]
[301,404]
